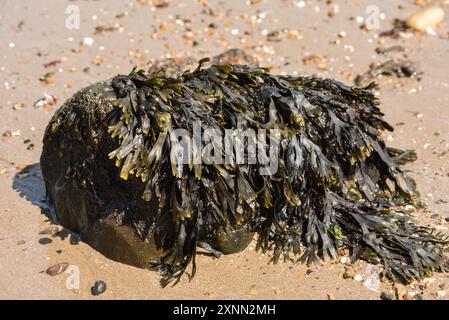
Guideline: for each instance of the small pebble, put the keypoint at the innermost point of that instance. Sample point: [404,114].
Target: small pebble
[344,260]
[87,41]
[57,269]
[98,288]
[45,241]
[358,277]
[428,18]
[75,239]
[252,290]
[387,295]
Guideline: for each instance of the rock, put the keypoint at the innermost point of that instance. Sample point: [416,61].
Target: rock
[275,36]
[387,295]
[45,241]
[400,68]
[346,275]
[75,149]
[88,41]
[426,19]
[252,290]
[7,133]
[98,288]
[108,170]
[232,243]
[358,278]
[74,239]
[20,242]
[372,276]
[345,260]
[418,296]
[78,208]
[57,269]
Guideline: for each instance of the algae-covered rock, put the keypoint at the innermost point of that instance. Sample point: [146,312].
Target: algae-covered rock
[86,190]
[118,173]
[84,186]
[88,198]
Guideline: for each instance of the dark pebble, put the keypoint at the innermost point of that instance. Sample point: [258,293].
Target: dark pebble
[309,271]
[98,288]
[346,275]
[387,296]
[74,239]
[45,241]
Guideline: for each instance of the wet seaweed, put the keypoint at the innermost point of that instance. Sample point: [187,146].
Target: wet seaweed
[337,184]
[390,68]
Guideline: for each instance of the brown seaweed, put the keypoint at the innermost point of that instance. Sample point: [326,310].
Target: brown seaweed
[337,183]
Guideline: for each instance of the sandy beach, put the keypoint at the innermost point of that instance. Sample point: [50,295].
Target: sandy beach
[45,55]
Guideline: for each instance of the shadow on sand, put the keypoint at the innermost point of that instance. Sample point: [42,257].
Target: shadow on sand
[30,185]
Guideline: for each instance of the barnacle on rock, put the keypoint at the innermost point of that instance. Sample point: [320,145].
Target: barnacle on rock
[336,183]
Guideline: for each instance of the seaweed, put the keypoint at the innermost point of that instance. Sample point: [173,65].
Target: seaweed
[337,184]
[390,68]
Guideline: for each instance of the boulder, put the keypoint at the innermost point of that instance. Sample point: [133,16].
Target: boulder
[109,170]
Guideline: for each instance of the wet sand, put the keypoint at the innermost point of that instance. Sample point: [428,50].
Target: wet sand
[128,33]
